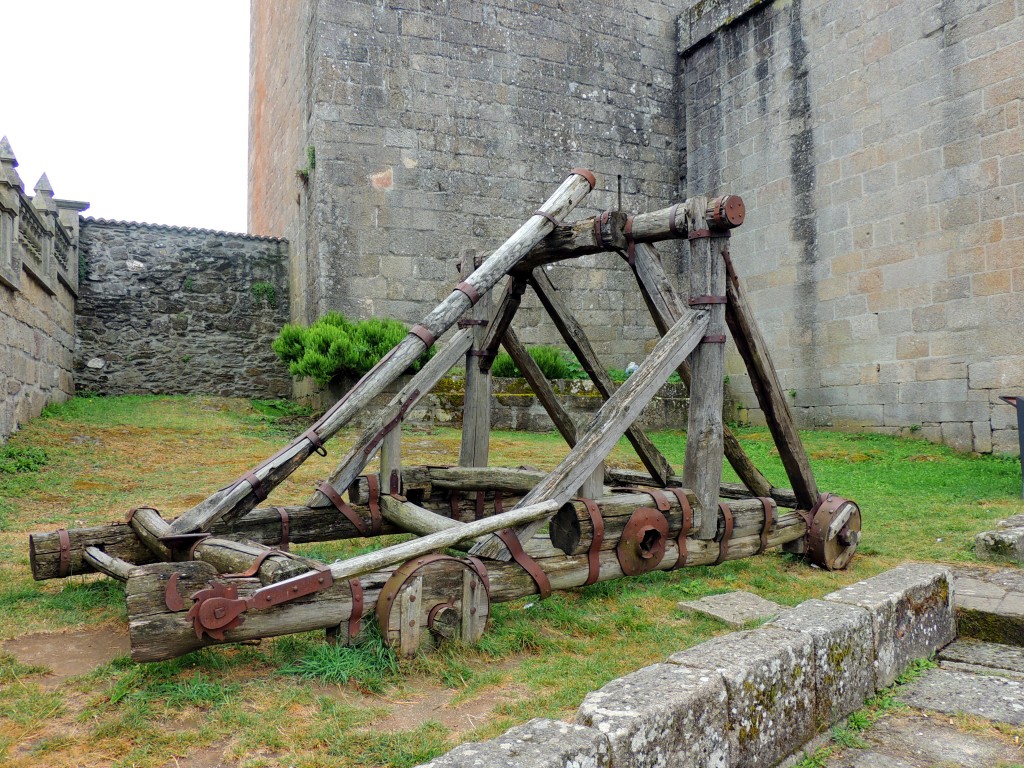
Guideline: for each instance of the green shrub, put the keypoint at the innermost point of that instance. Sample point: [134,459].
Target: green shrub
[553,363]
[335,346]
[21,459]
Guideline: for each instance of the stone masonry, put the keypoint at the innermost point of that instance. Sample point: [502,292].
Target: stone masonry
[175,310]
[441,125]
[38,286]
[878,146]
[880,150]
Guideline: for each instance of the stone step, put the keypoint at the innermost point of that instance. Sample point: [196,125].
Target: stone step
[952,692]
[990,604]
[994,657]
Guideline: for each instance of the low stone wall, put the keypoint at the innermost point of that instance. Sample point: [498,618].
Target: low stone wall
[173,310]
[748,698]
[514,406]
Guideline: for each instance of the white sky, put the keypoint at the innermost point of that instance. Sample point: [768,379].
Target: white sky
[140,108]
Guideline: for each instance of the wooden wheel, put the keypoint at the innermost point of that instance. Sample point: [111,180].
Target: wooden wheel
[434,598]
[834,533]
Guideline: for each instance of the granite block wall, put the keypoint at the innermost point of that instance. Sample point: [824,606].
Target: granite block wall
[172,310]
[440,126]
[880,150]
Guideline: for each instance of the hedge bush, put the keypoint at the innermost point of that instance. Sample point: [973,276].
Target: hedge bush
[553,363]
[335,346]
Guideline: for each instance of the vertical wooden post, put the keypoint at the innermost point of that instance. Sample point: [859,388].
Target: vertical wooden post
[391,460]
[704,449]
[476,412]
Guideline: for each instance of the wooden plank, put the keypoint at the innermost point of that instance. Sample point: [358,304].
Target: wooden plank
[476,408]
[237,499]
[409,612]
[475,608]
[502,320]
[770,394]
[362,451]
[391,459]
[702,467]
[665,306]
[574,336]
[541,387]
[608,425]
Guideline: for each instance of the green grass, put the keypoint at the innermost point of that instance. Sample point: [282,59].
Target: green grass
[295,699]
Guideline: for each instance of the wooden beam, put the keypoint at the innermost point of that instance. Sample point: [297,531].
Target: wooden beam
[770,394]
[570,241]
[666,307]
[362,450]
[476,404]
[574,336]
[502,320]
[702,468]
[237,499]
[608,425]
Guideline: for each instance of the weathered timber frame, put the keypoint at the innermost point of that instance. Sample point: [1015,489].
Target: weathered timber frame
[223,571]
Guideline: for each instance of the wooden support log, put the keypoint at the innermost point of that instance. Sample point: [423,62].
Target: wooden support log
[237,499]
[361,452]
[541,387]
[158,632]
[702,466]
[671,222]
[476,407]
[502,320]
[609,424]
[229,556]
[666,307]
[113,567]
[770,394]
[577,341]
[784,497]
[597,234]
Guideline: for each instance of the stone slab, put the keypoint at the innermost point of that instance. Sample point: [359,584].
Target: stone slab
[539,743]
[663,715]
[768,680]
[1003,545]
[990,604]
[977,669]
[734,608]
[992,655]
[911,610]
[988,696]
[703,18]
[843,655]
[918,741]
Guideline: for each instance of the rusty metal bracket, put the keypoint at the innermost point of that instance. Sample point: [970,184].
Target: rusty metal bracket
[549,217]
[478,513]
[218,608]
[339,504]
[713,339]
[182,545]
[355,618]
[423,333]
[64,542]
[527,563]
[373,501]
[723,544]
[769,522]
[726,212]
[453,503]
[684,528]
[470,291]
[673,227]
[257,486]
[466,322]
[700,301]
[641,547]
[594,554]
[172,598]
[285,528]
[315,441]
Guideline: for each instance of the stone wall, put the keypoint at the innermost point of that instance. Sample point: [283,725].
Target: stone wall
[174,310]
[880,151]
[442,125]
[38,285]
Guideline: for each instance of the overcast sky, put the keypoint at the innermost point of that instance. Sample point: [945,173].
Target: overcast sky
[139,108]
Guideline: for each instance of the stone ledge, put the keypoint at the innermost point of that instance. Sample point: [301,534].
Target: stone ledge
[705,17]
[746,698]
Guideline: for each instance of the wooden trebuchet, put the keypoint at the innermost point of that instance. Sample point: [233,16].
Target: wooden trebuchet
[223,570]
[239,498]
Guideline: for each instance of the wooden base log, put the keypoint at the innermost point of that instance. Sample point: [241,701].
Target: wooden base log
[159,633]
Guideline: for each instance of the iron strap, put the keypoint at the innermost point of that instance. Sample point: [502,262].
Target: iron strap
[315,441]
[660,499]
[355,618]
[723,545]
[285,528]
[393,424]
[471,293]
[257,486]
[373,501]
[599,222]
[253,569]
[423,333]
[717,338]
[700,301]
[549,217]
[684,528]
[597,540]
[479,512]
[672,226]
[527,563]
[339,504]
[769,522]
[630,243]
[453,501]
[64,563]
